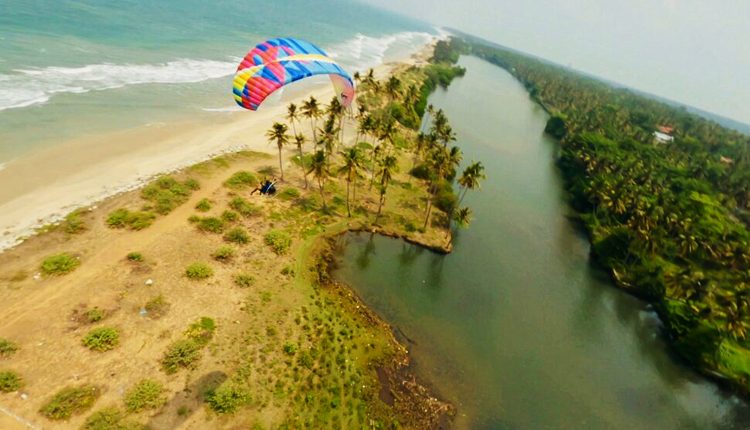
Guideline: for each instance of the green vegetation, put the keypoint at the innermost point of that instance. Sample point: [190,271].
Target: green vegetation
[201,331]
[10,381]
[204,205]
[278,240]
[166,193]
[224,253]
[59,264]
[134,256]
[243,280]
[237,235]
[73,224]
[7,348]
[70,401]
[229,216]
[180,354]
[146,394]
[199,270]
[288,194]
[110,418]
[156,307]
[227,398]
[211,225]
[241,179]
[138,220]
[94,315]
[102,339]
[244,207]
[670,220]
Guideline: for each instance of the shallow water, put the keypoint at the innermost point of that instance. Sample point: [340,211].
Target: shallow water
[516,326]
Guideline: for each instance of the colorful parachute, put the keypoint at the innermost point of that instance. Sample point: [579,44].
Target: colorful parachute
[277,62]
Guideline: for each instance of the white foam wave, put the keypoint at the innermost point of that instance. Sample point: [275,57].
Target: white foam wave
[363,52]
[26,87]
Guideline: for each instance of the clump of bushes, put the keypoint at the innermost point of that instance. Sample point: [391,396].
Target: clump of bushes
[180,354]
[204,205]
[101,339]
[290,348]
[241,179]
[10,381]
[166,193]
[289,194]
[134,256]
[147,394]
[136,220]
[229,216]
[224,253]
[201,331]
[109,418]
[237,235]
[73,224]
[211,224]
[243,280]
[279,241]
[7,348]
[70,401]
[244,207]
[59,264]
[156,307]
[94,315]
[199,271]
[227,398]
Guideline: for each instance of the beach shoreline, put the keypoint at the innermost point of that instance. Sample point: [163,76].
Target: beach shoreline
[47,184]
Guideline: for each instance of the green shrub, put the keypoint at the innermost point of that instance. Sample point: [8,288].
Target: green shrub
[199,271]
[211,224]
[180,354]
[73,224]
[138,220]
[279,241]
[224,253]
[118,218]
[70,401]
[101,339]
[166,193]
[237,235]
[193,219]
[290,348]
[192,184]
[204,205]
[59,264]
[7,348]
[109,418]
[241,179]
[227,398]
[94,315]
[10,381]
[147,394]
[243,280]
[289,194]
[156,307]
[229,216]
[134,256]
[244,207]
[201,331]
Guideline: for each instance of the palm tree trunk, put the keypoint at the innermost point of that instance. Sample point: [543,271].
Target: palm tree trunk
[380,205]
[315,136]
[322,196]
[427,218]
[348,209]
[302,163]
[281,166]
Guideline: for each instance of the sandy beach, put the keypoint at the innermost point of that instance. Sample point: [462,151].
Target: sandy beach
[43,186]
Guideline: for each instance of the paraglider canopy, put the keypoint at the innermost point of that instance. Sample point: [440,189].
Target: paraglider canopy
[278,62]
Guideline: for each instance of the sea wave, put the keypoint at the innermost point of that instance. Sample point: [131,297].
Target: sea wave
[28,87]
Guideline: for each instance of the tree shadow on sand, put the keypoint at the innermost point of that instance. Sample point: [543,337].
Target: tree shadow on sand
[186,402]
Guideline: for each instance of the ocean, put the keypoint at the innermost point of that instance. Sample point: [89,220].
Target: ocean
[74,68]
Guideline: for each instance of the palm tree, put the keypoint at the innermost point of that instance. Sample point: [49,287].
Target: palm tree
[388,166]
[299,140]
[292,114]
[352,163]
[311,110]
[470,179]
[320,171]
[328,136]
[277,134]
[393,87]
[462,217]
[336,112]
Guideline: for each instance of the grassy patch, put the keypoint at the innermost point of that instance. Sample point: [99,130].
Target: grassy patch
[73,224]
[199,271]
[156,307]
[134,256]
[201,331]
[244,207]
[109,418]
[166,193]
[230,216]
[237,235]
[279,241]
[289,194]
[137,220]
[204,205]
[10,381]
[224,253]
[146,394]
[243,280]
[59,264]
[211,224]
[241,179]
[70,401]
[101,339]
[180,354]
[7,348]
[94,315]
[227,398]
